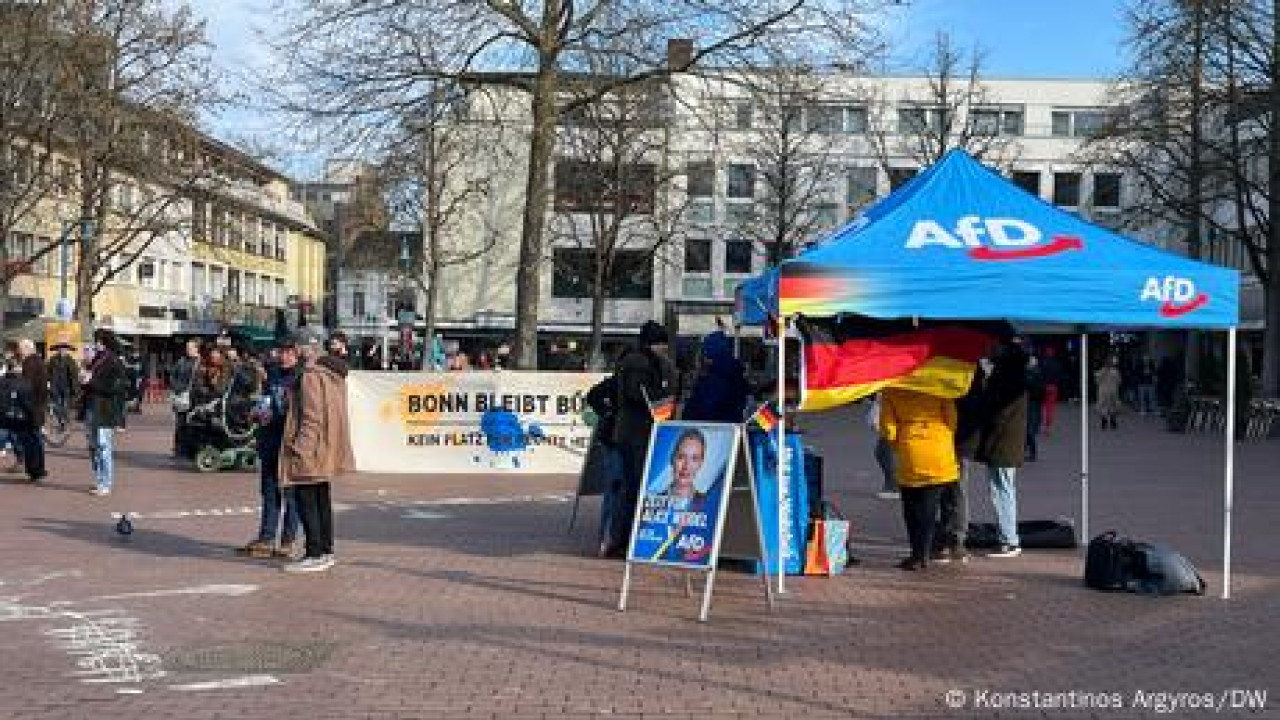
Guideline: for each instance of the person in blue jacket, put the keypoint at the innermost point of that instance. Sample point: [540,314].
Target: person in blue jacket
[720,391]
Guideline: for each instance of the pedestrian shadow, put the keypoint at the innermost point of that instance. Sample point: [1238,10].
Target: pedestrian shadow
[144,540]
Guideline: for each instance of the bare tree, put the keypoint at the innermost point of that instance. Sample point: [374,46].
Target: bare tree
[952,110]
[798,116]
[358,61]
[1196,133]
[138,73]
[30,43]
[612,180]
[432,184]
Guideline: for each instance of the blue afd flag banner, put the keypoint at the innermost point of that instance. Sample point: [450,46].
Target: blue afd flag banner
[962,242]
[764,459]
[682,501]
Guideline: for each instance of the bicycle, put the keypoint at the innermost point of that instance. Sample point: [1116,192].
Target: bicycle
[57,427]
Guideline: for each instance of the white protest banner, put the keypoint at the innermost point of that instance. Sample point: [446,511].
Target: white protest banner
[460,422]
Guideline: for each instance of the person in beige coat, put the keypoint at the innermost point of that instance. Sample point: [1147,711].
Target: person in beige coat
[317,446]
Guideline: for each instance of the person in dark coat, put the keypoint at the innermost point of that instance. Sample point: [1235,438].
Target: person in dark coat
[64,378]
[720,391]
[19,419]
[279,521]
[105,388]
[602,398]
[1002,440]
[953,522]
[35,378]
[646,376]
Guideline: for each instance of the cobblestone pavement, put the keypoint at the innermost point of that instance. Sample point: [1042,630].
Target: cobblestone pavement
[461,597]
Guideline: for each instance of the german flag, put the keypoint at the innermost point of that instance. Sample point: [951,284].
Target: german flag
[851,358]
[765,417]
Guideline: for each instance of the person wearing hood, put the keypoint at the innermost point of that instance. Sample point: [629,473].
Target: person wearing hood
[1002,439]
[720,391]
[316,447]
[645,375]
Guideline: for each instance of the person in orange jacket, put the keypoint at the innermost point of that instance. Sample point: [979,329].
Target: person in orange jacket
[921,431]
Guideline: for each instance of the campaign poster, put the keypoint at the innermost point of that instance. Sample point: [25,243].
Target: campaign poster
[682,501]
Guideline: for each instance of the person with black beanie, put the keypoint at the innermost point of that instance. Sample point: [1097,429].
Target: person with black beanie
[645,376]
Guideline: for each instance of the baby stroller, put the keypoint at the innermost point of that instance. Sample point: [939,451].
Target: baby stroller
[220,434]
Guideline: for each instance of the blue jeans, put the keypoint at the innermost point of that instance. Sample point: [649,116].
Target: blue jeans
[272,496]
[101,449]
[1147,399]
[1004,496]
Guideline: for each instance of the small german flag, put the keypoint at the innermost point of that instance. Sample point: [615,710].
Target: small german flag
[662,409]
[765,417]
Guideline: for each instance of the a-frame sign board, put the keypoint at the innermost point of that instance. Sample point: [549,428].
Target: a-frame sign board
[698,499]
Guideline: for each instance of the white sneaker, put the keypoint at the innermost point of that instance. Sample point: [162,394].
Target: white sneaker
[100,491]
[888,495]
[1005,551]
[309,564]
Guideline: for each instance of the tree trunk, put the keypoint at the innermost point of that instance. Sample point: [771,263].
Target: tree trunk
[1271,289]
[4,301]
[1195,175]
[90,241]
[595,349]
[529,274]
[429,337]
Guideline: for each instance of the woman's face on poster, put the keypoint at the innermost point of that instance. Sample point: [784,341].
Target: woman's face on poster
[687,462]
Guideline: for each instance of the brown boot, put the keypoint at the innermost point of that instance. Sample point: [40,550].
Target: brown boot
[255,549]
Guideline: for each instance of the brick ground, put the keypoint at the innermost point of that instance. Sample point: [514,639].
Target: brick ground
[493,610]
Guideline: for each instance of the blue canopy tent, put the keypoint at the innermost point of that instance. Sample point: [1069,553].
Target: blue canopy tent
[961,242]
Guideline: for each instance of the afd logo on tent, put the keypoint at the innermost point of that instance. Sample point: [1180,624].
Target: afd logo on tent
[992,239]
[1177,296]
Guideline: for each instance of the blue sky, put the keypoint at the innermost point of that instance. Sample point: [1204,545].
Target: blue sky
[1019,38]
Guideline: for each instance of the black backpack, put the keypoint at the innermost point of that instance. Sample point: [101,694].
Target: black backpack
[1110,562]
[15,405]
[1159,570]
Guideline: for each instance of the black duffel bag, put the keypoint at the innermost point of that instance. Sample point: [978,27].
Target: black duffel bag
[1109,562]
[1032,535]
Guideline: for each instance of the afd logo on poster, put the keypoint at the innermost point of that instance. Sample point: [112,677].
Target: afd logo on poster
[1177,296]
[992,239]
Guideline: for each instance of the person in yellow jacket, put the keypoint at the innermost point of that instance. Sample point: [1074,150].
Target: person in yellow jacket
[921,430]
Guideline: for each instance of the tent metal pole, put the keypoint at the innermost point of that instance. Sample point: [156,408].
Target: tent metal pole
[1229,473]
[784,486]
[1084,437]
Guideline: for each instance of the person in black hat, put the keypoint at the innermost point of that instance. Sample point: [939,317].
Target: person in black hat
[106,386]
[646,378]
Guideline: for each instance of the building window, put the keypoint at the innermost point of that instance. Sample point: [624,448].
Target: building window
[1028,180]
[199,281]
[1078,123]
[792,119]
[855,120]
[1066,189]
[218,283]
[696,287]
[737,257]
[825,119]
[574,273]
[825,215]
[583,186]
[739,214]
[995,121]
[742,181]
[702,179]
[65,179]
[861,187]
[147,273]
[899,176]
[697,256]
[742,116]
[357,305]
[920,121]
[1106,190]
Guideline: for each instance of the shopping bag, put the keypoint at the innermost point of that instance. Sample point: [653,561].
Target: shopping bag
[827,552]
